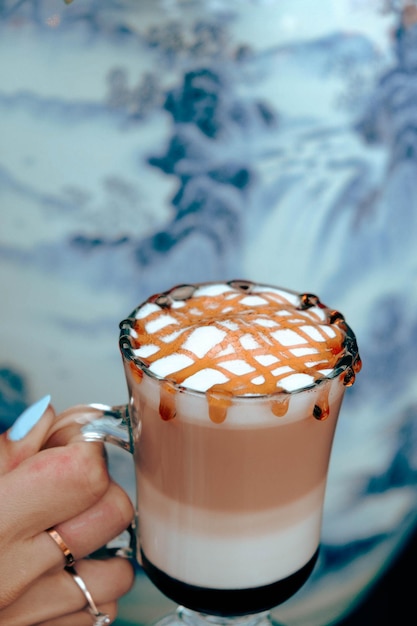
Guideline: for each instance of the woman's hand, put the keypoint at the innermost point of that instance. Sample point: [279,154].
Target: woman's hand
[66,487]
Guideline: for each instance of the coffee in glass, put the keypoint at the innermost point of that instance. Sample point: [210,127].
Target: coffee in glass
[235,392]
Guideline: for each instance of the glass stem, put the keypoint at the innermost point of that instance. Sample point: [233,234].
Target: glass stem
[193,618]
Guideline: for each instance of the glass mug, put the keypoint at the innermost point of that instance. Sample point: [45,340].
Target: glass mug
[230,489]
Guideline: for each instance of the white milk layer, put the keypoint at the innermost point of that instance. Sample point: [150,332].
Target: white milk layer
[228,551]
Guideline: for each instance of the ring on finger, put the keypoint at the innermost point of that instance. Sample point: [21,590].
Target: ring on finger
[69,557]
[101,619]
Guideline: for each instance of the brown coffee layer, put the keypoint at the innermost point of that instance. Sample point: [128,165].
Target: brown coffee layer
[234,469]
[159,509]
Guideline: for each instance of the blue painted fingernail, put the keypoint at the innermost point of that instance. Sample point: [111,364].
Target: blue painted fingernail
[28,419]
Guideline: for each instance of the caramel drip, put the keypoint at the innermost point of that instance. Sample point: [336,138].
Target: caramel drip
[167,405]
[280,407]
[321,410]
[219,402]
[227,308]
[137,374]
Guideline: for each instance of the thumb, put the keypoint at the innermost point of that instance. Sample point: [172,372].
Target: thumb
[26,436]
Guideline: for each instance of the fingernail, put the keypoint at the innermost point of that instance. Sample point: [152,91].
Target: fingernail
[28,419]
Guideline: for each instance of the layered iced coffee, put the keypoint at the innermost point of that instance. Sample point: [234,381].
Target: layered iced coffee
[236,388]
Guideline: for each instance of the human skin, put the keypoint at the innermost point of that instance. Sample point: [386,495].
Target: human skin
[56,481]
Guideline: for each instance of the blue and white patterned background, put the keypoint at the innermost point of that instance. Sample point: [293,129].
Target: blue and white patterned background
[148,143]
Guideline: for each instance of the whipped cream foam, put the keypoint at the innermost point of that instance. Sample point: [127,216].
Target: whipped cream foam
[238,337]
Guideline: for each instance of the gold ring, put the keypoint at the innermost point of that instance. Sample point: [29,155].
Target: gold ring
[101,619]
[69,558]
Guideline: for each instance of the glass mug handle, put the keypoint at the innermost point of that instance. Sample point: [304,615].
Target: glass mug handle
[111,425]
[105,424]
[94,422]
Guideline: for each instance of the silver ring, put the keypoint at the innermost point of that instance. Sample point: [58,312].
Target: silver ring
[101,619]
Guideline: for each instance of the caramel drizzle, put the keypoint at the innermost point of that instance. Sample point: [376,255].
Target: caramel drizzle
[204,311]
[228,308]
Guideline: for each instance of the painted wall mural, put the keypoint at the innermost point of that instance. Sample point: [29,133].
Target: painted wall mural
[145,144]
